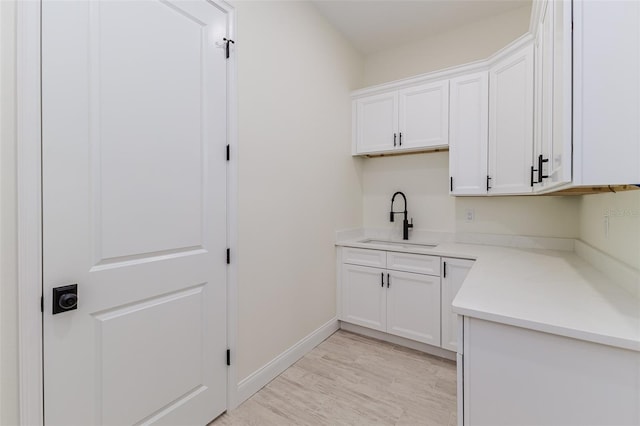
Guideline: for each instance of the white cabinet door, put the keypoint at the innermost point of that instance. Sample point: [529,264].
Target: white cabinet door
[134,211]
[606,90]
[377,123]
[552,159]
[424,116]
[469,119]
[511,123]
[454,271]
[364,296]
[413,307]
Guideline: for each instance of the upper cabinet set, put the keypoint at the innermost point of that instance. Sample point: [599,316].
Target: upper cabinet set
[558,108]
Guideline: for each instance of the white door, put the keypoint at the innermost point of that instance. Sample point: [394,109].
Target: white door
[469,120]
[511,123]
[424,116]
[454,271]
[377,123]
[364,296]
[413,307]
[134,178]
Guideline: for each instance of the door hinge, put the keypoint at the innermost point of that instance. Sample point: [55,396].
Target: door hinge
[41,303]
[228,153]
[228,356]
[227,48]
[228,256]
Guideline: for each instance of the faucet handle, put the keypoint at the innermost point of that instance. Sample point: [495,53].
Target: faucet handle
[411,224]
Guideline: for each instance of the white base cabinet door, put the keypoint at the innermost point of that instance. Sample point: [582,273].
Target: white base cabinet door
[454,271]
[413,306]
[364,296]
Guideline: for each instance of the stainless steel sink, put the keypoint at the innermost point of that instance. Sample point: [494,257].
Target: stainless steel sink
[403,244]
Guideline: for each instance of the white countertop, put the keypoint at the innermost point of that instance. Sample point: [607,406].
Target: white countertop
[546,290]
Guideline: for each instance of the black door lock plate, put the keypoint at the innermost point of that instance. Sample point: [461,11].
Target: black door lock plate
[65,298]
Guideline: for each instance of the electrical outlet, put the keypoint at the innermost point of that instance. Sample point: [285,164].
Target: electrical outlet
[469,215]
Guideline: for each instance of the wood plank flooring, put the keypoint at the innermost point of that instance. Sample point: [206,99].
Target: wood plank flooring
[354,380]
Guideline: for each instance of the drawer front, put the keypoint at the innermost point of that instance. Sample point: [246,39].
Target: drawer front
[418,263]
[364,257]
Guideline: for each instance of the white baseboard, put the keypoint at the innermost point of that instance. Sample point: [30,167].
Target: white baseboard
[397,340]
[261,377]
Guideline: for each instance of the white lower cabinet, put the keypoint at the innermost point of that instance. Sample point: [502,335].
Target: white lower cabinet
[413,307]
[403,294]
[364,296]
[400,303]
[517,376]
[454,271]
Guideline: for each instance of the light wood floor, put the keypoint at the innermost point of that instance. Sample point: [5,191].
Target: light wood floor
[354,380]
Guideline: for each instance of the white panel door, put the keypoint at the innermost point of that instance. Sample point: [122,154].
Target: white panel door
[511,123]
[377,123]
[469,121]
[413,307]
[364,296]
[454,271]
[134,183]
[424,116]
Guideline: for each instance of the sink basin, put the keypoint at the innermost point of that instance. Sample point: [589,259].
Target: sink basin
[403,244]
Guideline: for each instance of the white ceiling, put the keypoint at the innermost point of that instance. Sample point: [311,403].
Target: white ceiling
[374,25]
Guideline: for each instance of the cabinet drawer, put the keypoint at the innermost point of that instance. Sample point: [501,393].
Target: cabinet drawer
[364,257]
[418,263]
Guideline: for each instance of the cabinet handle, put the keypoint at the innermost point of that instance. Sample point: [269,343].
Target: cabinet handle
[541,161]
[382,279]
[394,139]
[388,280]
[451,183]
[444,272]
[488,179]
[400,138]
[532,180]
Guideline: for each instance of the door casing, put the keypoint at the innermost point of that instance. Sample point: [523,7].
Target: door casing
[29,190]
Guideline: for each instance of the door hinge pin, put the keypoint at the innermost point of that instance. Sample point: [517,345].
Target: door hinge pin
[228,356]
[228,256]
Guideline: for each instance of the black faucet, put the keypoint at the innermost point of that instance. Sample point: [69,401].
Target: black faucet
[405,224]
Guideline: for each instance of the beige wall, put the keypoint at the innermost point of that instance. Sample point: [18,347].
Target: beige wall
[623,210]
[458,46]
[8,266]
[298,181]
[424,178]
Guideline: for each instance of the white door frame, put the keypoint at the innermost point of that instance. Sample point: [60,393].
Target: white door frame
[29,175]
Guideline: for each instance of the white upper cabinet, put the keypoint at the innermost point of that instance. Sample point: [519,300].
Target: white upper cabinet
[410,119]
[552,132]
[511,123]
[377,123]
[469,119]
[606,92]
[424,116]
